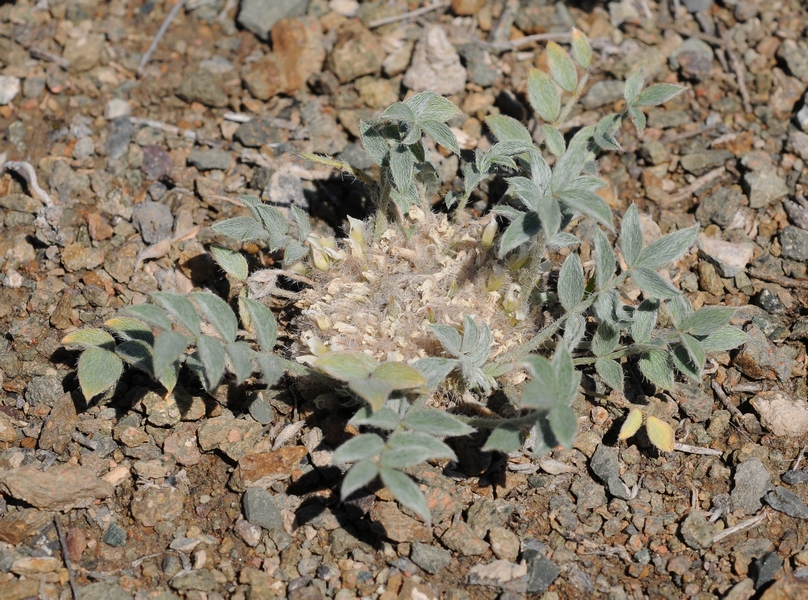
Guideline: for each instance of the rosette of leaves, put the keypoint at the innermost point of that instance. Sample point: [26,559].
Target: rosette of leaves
[155,338]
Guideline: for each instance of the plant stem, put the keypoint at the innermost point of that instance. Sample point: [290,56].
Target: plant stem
[492,423]
[572,101]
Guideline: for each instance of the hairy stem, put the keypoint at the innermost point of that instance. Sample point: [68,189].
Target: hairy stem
[573,100]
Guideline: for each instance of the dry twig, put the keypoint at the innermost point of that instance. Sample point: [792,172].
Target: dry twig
[693,187]
[687,448]
[779,279]
[408,15]
[751,522]
[160,33]
[65,556]
[26,171]
[737,66]
[710,39]
[49,56]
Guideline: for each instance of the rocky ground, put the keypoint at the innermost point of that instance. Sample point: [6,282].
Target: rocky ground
[233,496]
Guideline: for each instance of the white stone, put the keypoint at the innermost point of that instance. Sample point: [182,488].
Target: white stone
[9,88]
[346,8]
[435,65]
[782,414]
[117,107]
[729,258]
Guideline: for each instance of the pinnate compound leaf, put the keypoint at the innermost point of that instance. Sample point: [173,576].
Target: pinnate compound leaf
[658,94]
[130,329]
[367,445]
[564,425]
[179,307]
[587,203]
[507,128]
[270,366]
[657,366]
[726,338]
[562,69]
[435,369]
[168,347]
[441,133]
[435,422]
[581,50]
[399,376]
[554,140]
[660,434]
[345,366]
[653,284]
[707,320]
[668,248]
[571,282]
[604,260]
[631,236]
[407,492]
[233,263]
[243,229]
[262,323]
[212,356]
[645,318]
[138,354]
[373,391]
[90,338]
[633,87]
[218,314]
[543,95]
[449,338]
[505,438]
[98,371]
[631,425]
[361,474]
[239,354]
[611,372]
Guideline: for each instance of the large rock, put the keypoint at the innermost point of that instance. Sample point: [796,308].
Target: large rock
[356,52]
[435,65]
[62,487]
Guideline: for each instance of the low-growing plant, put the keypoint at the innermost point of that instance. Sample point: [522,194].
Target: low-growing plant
[417,308]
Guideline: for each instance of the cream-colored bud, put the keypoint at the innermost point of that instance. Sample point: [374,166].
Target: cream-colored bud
[489,233]
[495,279]
[513,298]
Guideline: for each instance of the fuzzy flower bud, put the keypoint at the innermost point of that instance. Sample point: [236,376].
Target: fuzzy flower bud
[488,233]
[356,238]
[513,298]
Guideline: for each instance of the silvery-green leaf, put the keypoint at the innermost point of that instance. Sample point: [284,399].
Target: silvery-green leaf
[574,330]
[679,309]
[179,307]
[151,314]
[571,282]
[554,140]
[604,308]
[373,142]
[232,262]
[218,313]
[479,353]
[587,203]
[522,229]
[569,166]
[631,236]
[694,356]
[212,356]
[410,448]
[98,370]
[588,183]
[435,369]
[429,106]
[243,229]
[611,372]
[668,248]
[274,221]
[449,338]
[407,492]
[506,438]
[441,133]
[550,215]
[542,372]
[373,391]
[605,131]
[293,252]
[509,212]
[562,240]
[562,69]
[367,445]
[399,376]
[707,320]
[509,148]
[637,117]
[239,354]
[384,418]
[413,136]
[605,339]
[435,422]
[645,318]
[346,365]
[252,202]
[726,338]
[507,128]
[535,395]
[399,112]
[271,367]
[471,335]
[564,424]
[359,475]
[633,87]
[262,323]
[169,376]
[168,347]
[659,94]
[543,95]
[657,366]
[130,329]
[653,284]
[89,338]
[567,378]
[138,354]
[604,260]
[402,164]
[526,191]
[581,50]
[540,172]
[302,222]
